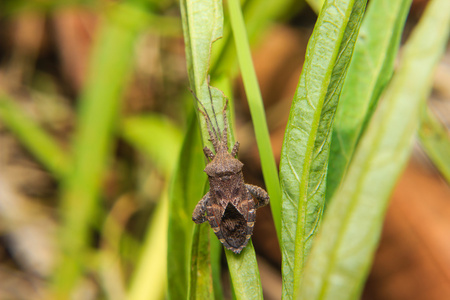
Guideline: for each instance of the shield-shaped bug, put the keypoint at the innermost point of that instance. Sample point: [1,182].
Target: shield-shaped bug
[230,205]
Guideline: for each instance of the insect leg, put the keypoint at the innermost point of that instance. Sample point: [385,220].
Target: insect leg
[260,195]
[198,216]
[235,150]
[208,153]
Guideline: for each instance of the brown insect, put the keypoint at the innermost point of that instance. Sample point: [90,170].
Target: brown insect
[230,205]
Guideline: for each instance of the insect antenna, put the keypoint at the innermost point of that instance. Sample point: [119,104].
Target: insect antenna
[212,105]
[225,126]
[223,144]
[214,138]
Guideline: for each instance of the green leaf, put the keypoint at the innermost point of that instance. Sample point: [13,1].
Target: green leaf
[370,70]
[256,105]
[201,286]
[99,106]
[149,278]
[202,24]
[435,139]
[216,254]
[36,140]
[316,5]
[186,190]
[304,158]
[160,140]
[244,273]
[342,253]
[258,15]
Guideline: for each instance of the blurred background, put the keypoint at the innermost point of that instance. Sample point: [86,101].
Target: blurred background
[45,52]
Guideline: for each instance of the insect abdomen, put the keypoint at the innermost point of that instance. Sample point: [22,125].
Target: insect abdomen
[232,228]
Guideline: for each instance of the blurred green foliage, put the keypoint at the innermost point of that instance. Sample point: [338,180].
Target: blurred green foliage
[366,148]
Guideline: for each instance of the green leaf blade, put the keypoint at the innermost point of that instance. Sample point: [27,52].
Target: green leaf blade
[201,286]
[202,23]
[245,274]
[186,190]
[306,145]
[371,68]
[256,105]
[341,256]
[149,277]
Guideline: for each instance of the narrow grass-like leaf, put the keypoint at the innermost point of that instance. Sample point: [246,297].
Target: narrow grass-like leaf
[304,158]
[160,140]
[216,254]
[201,265]
[224,84]
[36,140]
[244,274]
[342,252]
[100,102]
[256,105]
[258,15]
[371,68]
[435,139]
[316,5]
[202,24]
[186,190]
[149,278]
[156,136]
